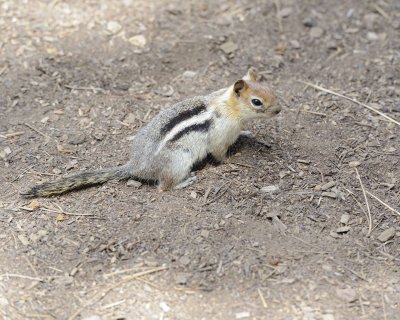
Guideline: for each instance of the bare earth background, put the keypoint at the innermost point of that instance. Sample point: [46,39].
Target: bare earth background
[77,80]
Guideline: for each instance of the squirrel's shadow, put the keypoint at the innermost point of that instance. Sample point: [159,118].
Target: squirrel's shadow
[241,143]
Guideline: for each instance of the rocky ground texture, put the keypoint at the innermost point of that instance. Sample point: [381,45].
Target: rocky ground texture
[301,222]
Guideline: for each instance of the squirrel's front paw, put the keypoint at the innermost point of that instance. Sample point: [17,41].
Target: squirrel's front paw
[246,133]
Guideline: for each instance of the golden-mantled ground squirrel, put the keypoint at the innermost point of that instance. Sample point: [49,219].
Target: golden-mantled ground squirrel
[166,149]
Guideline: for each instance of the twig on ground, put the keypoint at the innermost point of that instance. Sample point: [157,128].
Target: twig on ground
[66,213]
[350,99]
[100,295]
[383,306]
[218,196]
[31,265]
[111,305]
[36,130]
[84,88]
[278,17]
[264,303]
[307,243]
[14,275]
[12,135]
[381,11]
[316,113]
[42,173]
[351,270]
[358,202]
[310,112]
[107,275]
[366,203]
[383,203]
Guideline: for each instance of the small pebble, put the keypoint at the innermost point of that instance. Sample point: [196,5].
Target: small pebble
[150,262]
[23,239]
[242,315]
[370,20]
[334,235]
[345,218]
[295,44]
[138,41]
[348,294]
[98,134]
[205,233]
[229,47]
[344,229]
[308,22]
[372,36]
[92,317]
[193,194]
[56,171]
[77,138]
[353,164]
[181,278]
[130,118]
[189,74]
[285,12]
[34,204]
[113,27]
[328,185]
[184,260]
[270,189]
[3,301]
[164,306]
[332,45]
[316,32]
[133,183]
[349,13]
[387,234]
[329,195]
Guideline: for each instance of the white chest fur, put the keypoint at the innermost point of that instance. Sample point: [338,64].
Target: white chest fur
[224,133]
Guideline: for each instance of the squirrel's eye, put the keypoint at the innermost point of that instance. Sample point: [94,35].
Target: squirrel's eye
[256,102]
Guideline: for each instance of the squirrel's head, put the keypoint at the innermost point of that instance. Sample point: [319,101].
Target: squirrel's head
[253,98]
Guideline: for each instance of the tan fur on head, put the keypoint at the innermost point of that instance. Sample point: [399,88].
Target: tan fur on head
[251,98]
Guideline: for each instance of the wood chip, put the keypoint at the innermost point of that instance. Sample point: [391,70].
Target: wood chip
[329,195]
[328,185]
[24,240]
[344,229]
[229,47]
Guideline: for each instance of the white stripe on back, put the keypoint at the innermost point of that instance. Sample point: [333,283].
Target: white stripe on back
[197,119]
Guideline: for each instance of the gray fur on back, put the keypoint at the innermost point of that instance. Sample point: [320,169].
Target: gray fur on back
[147,140]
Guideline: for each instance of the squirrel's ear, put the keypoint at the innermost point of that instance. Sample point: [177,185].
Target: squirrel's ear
[239,86]
[250,75]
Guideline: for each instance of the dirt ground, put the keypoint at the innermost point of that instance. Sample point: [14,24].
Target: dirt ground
[279,231]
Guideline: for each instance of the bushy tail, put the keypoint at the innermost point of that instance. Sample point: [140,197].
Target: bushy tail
[77,181]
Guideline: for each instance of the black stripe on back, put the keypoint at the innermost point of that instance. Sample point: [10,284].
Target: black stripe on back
[199,127]
[182,117]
